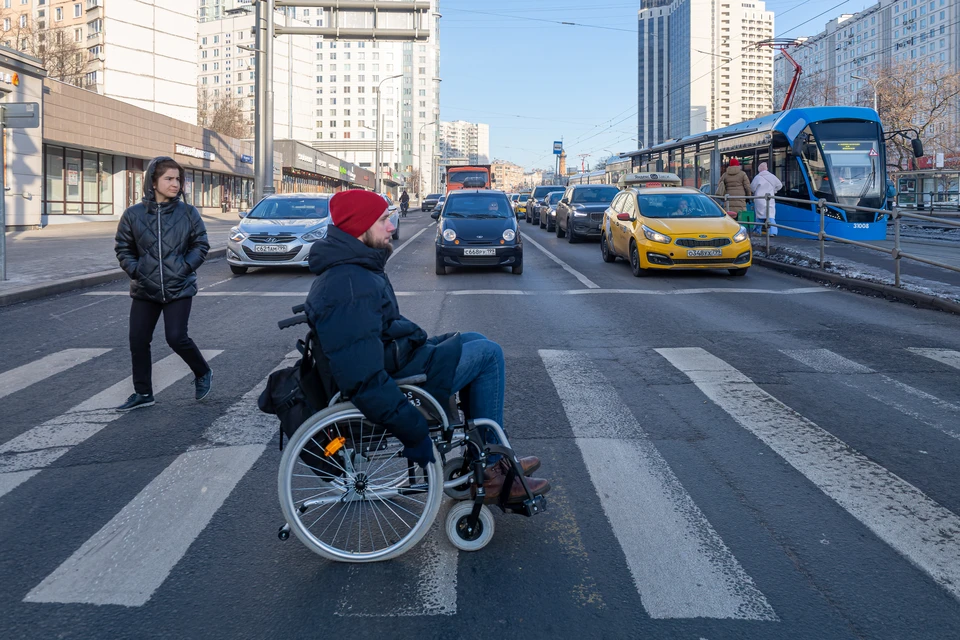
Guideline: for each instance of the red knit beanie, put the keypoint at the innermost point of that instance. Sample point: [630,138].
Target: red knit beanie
[356,210]
[734,162]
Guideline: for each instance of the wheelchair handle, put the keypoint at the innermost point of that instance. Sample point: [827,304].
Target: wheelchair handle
[300,308]
[292,322]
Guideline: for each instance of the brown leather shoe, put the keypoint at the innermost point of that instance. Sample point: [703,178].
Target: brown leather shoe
[529,464]
[496,476]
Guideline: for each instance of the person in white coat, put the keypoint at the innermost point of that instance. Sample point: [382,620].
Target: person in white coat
[765,183]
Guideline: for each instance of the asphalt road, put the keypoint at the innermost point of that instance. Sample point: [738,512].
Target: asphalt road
[756,457]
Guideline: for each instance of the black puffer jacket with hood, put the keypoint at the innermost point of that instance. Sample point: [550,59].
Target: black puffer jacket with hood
[367,343]
[161,246]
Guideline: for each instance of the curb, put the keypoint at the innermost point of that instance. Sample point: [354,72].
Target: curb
[922,300]
[35,291]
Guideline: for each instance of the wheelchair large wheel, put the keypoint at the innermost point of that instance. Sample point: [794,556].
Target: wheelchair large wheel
[349,495]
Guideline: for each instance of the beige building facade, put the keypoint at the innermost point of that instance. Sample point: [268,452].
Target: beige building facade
[507,175]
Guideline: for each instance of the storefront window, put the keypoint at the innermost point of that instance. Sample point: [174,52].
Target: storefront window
[77,182]
[188,186]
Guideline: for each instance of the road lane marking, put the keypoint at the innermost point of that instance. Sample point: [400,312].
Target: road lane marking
[939,414]
[514,292]
[29,453]
[945,356]
[132,555]
[39,370]
[563,265]
[412,238]
[900,514]
[430,568]
[680,565]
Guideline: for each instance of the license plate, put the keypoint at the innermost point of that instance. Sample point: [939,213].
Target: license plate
[270,248]
[479,252]
[704,253]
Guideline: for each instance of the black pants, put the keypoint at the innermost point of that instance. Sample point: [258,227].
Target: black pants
[143,320]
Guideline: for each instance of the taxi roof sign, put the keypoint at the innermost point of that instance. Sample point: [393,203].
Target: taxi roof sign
[649,180]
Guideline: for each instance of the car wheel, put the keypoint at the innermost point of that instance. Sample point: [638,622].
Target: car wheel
[560,233]
[571,236]
[396,233]
[517,268]
[737,272]
[441,268]
[638,271]
[239,271]
[543,224]
[608,256]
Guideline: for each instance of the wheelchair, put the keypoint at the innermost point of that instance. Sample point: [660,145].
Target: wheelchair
[348,494]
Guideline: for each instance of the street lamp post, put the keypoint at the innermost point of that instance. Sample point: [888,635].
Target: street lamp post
[377,135]
[420,158]
[872,86]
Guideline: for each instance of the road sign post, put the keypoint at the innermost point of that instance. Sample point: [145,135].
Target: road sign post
[13,115]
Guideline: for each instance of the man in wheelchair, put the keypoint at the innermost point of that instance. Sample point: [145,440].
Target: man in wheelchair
[354,313]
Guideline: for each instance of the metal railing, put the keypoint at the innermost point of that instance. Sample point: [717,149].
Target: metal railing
[896,214]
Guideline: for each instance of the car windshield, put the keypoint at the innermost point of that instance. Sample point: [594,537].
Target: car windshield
[524,197]
[459,177]
[687,205]
[290,209]
[554,197]
[478,205]
[595,195]
[433,196]
[539,192]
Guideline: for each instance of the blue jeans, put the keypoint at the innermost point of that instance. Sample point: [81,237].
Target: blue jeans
[482,367]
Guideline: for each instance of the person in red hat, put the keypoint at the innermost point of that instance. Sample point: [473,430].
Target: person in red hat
[368,343]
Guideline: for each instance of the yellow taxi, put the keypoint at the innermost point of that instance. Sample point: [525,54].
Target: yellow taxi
[673,228]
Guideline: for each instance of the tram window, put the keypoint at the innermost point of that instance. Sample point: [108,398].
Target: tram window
[779,169]
[793,183]
[703,170]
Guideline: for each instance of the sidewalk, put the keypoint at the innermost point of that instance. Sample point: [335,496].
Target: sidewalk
[869,266]
[59,258]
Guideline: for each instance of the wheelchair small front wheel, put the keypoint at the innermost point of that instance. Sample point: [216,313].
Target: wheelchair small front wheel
[459,532]
[456,468]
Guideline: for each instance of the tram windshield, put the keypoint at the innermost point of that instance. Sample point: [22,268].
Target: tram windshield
[846,167]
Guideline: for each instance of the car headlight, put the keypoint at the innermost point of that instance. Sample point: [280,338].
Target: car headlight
[741,235]
[577,211]
[316,234]
[449,235]
[553,212]
[238,236]
[656,236]
[509,235]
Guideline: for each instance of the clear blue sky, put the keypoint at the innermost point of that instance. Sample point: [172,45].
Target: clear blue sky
[509,63]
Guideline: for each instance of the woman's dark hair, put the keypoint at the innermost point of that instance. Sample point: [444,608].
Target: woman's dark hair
[165,165]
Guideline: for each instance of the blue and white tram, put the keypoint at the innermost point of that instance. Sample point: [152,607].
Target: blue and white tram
[589,177]
[834,153]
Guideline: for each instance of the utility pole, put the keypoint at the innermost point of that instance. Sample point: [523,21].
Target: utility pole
[420,159]
[376,162]
[583,157]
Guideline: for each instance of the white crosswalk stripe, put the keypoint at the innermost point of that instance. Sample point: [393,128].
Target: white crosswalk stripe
[26,455]
[39,370]
[130,557]
[681,567]
[897,512]
[946,356]
[934,412]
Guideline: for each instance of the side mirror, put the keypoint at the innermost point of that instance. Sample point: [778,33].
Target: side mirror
[624,217]
[917,148]
[243,214]
[435,215]
[732,214]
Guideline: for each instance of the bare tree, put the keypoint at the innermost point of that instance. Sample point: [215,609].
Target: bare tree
[61,55]
[227,117]
[812,90]
[203,106]
[415,179]
[919,98]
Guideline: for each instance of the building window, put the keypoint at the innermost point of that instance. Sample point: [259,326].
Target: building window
[77,182]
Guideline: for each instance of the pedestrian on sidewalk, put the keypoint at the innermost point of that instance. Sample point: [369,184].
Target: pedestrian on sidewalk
[763,184]
[160,243]
[735,183]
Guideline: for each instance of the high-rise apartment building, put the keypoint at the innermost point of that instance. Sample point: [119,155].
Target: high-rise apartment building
[142,52]
[347,75]
[215,9]
[464,142]
[699,66]
[226,69]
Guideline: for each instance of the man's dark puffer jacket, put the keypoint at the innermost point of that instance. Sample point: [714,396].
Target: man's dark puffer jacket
[354,311]
[161,246]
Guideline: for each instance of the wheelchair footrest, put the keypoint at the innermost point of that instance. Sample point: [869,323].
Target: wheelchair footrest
[527,507]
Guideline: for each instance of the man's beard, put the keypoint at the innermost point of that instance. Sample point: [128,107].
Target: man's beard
[385,245]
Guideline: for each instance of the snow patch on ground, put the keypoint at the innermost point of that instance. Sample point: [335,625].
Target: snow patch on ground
[859,271]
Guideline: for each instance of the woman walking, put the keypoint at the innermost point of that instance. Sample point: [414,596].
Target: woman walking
[160,243]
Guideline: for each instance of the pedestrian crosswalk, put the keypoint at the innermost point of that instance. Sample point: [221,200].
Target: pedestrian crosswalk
[676,559]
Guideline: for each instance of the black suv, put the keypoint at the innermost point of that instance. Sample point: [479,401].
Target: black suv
[536,199]
[580,212]
[429,202]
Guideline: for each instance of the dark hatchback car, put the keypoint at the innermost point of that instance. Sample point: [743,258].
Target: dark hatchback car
[430,202]
[580,211]
[536,199]
[477,228]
